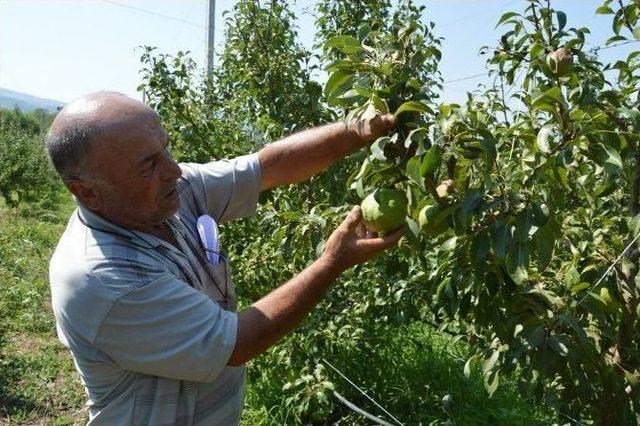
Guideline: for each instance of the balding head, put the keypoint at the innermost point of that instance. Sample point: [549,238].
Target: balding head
[88,121]
[111,152]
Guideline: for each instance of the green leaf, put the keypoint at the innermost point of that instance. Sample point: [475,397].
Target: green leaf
[380,104]
[500,239]
[535,50]
[491,385]
[611,160]
[632,377]
[369,113]
[413,170]
[471,201]
[412,106]
[518,256]
[480,249]
[414,230]
[338,83]
[439,296]
[416,135]
[377,148]
[488,145]
[636,33]
[543,139]
[490,362]
[558,346]
[577,288]
[615,39]
[450,244]
[545,243]
[431,162]
[366,166]
[517,261]
[539,214]
[467,366]
[604,10]
[634,225]
[344,43]
[517,330]
[562,20]
[505,17]
[536,338]
[548,98]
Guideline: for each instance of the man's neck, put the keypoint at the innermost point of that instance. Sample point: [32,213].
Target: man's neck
[163,232]
[160,230]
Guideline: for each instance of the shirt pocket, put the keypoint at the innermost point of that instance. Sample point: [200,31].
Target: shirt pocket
[220,287]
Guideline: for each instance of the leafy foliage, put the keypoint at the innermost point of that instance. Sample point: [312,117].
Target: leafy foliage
[25,171]
[513,257]
[536,193]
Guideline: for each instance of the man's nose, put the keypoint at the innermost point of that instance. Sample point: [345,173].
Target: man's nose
[171,169]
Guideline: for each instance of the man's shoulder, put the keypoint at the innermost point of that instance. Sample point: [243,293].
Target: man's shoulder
[88,274]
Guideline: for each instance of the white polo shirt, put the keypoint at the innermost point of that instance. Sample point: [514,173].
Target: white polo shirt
[151,326]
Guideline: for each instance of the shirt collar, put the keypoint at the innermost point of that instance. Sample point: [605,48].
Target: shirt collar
[97,222]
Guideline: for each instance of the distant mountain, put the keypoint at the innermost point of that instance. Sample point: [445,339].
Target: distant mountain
[10,99]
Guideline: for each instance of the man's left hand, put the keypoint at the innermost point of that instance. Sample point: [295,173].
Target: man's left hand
[368,130]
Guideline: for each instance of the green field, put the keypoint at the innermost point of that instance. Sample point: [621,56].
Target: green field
[414,371]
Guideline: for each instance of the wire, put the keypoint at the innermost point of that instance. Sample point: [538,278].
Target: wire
[182,21]
[610,267]
[361,391]
[616,45]
[466,78]
[359,410]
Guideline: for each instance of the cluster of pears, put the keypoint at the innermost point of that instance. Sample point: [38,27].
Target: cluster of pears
[385,210]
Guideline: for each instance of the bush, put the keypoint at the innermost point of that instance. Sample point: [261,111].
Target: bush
[25,171]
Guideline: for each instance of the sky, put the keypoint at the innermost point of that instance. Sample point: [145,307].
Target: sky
[62,49]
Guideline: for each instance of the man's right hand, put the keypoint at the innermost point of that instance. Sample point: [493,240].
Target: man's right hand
[351,243]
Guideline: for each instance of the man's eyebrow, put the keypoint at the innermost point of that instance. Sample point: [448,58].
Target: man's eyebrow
[148,158]
[145,159]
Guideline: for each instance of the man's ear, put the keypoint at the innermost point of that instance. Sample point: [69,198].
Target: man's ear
[86,192]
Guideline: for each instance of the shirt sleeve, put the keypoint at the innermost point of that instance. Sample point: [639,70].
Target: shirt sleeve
[168,329]
[225,189]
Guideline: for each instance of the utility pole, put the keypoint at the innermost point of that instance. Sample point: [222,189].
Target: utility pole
[211,26]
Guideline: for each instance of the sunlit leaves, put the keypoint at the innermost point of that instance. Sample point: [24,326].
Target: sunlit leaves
[412,106]
[345,43]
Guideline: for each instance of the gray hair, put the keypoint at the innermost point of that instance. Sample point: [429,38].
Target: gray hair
[68,147]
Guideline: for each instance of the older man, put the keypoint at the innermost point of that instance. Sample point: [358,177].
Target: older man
[150,321]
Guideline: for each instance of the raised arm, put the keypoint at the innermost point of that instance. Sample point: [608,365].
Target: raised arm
[301,155]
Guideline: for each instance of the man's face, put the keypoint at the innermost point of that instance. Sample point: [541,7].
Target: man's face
[136,177]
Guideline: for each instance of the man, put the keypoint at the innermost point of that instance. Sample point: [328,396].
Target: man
[151,323]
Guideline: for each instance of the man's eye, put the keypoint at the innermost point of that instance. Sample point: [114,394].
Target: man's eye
[149,169]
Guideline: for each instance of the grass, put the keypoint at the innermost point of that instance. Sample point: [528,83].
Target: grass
[38,383]
[414,371]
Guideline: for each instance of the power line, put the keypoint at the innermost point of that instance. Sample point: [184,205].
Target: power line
[615,45]
[149,12]
[466,78]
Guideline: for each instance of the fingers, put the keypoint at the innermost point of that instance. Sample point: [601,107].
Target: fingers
[353,219]
[384,242]
[388,120]
[382,123]
[361,230]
